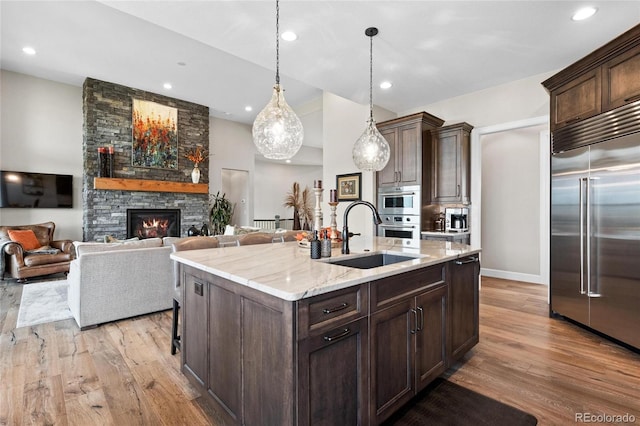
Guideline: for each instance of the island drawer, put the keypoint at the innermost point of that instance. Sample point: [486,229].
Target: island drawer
[388,291]
[329,310]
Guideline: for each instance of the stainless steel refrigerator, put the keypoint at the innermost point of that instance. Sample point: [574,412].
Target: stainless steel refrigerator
[595,236]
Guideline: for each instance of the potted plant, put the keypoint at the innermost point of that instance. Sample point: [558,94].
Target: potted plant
[220,213]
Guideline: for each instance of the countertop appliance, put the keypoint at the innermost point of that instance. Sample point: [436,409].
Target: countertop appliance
[595,232]
[456,219]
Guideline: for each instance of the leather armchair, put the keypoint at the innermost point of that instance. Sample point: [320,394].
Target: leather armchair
[22,264]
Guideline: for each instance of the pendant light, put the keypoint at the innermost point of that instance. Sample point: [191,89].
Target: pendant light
[277,130]
[371,151]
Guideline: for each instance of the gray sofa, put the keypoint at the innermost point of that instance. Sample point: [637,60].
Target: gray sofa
[108,282]
[113,281]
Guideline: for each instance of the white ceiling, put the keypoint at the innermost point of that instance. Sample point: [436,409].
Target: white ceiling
[430,50]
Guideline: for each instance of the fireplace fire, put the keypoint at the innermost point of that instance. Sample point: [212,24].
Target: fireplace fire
[153,223]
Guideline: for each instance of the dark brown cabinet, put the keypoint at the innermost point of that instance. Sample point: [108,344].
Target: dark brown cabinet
[408,337]
[463,306]
[576,100]
[601,81]
[450,160]
[194,348]
[406,136]
[352,356]
[332,376]
[621,79]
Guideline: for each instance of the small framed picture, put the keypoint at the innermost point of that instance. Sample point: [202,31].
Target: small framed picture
[349,187]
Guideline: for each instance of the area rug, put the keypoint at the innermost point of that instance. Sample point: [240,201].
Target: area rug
[43,302]
[445,403]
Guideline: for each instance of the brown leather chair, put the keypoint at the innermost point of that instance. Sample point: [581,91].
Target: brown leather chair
[188,243]
[23,264]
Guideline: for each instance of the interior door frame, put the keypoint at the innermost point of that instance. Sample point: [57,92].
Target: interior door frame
[476,190]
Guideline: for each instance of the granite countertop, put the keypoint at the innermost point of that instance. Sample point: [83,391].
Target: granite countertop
[447,233]
[286,270]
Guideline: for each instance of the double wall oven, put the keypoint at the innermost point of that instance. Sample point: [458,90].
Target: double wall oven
[399,208]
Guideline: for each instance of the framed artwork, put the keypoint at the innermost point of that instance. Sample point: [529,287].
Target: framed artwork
[349,187]
[155,135]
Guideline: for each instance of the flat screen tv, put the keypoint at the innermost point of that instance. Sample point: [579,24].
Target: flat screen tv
[35,190]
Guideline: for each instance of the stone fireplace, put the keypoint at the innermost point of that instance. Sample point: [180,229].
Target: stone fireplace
[153,223]
[107,121]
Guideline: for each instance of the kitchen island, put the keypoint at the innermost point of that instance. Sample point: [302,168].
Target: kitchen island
[274,337]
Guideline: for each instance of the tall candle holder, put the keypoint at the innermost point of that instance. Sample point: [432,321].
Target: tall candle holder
[317,224]
[334,224]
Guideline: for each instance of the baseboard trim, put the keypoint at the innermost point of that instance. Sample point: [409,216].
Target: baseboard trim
[515,276]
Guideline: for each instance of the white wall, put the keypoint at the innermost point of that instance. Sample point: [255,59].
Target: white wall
[511,201]
[343,123]
[41,131]
[231,147]
[523,101]
[509,102]
[274,181]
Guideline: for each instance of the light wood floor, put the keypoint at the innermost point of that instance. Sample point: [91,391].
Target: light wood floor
[123,374]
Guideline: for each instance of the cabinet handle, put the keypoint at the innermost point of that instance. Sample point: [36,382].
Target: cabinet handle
[421,323]
[457,190]
[399,175]
[344,332]
[464,262]
[573,120]
[633,98]
[415,321]
[335,309]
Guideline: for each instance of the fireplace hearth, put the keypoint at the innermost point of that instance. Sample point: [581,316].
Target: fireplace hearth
[153,223]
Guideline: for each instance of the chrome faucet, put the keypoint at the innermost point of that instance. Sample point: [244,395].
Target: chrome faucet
[345,228]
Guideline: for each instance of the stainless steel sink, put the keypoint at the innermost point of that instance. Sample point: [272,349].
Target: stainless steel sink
[373,260]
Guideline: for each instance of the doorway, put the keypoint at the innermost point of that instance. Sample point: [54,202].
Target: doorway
[510,191]
[235,185]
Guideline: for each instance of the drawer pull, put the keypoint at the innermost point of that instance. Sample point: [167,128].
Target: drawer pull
[573,120]
[344,332]
[464,262]
[335,309]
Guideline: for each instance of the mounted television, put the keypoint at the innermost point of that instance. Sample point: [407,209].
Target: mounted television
[35,190]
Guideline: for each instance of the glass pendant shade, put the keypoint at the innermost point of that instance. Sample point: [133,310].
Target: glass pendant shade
[277,130]
[371,151]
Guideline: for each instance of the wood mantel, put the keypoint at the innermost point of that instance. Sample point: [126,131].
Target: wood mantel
[119,184]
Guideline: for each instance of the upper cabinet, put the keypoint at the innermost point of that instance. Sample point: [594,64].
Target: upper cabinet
[576,100]
[407,137]
[450,160]
[605,79]
[621,79]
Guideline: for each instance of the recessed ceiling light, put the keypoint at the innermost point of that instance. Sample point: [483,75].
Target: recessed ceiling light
[289,36]
[287,161]
[167,86]
[29,50]
[584,13]
[248,108]
[385,85]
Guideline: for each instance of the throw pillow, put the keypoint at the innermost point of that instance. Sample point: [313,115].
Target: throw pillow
[25,237]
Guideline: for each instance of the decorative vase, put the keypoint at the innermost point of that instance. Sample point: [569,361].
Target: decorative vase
[296,220]
[193,232]
[195,174]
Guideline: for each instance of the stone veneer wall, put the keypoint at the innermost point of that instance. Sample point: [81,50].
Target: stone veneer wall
[107,120]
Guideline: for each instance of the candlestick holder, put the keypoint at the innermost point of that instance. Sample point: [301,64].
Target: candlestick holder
[334,224]
[317,224]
